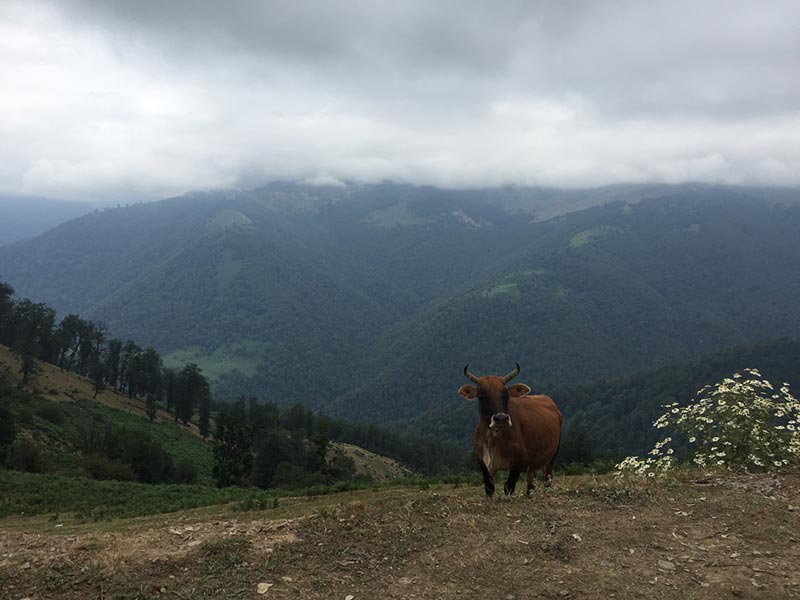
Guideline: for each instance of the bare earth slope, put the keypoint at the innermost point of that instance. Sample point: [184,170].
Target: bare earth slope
[714,537]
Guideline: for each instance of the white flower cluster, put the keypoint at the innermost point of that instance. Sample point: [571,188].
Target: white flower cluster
[739,423]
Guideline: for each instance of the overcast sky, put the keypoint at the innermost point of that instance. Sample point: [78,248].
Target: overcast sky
[123,100]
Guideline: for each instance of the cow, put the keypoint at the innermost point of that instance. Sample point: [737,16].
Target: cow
[515,431]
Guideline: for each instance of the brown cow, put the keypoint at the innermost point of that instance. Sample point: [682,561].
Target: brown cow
[515,431]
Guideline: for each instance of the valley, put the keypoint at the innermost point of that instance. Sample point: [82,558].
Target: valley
[372,297]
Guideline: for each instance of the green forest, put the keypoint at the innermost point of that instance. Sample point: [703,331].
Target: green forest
[364,301]
[243,443]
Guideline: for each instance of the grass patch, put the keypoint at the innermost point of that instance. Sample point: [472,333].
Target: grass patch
[397,215]
[244,356]
[31,494]
[224,219]
[509,290]
[58,436]
[588,236]
[34,494]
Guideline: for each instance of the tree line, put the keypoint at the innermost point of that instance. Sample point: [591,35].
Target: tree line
[263,445]
[82,346]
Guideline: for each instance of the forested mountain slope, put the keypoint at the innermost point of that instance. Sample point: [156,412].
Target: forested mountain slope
[615,415]
[368,300]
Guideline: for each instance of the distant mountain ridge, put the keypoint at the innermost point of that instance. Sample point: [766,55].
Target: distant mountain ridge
[366,300]
[22,217]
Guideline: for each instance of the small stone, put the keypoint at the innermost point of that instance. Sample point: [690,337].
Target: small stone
[263,588]
[792,508]
[666,565]
[287,579]
[577,537]
[26,565]
[349,597]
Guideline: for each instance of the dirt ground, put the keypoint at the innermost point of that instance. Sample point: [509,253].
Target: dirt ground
[695,536]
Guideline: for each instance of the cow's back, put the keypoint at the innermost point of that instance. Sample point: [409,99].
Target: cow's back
[539,422]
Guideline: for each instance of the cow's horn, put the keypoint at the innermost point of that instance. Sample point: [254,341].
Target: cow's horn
[469,375]
[511,375]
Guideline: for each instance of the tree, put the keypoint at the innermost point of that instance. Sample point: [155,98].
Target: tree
[6,310]
[151,372]
[192,386]
[576,447]
[170,381]
[150,408]
[113,352]
[127,370]
[32,335]
[97,373]
[204,410]
[273,449]
[233,459]
[8,431]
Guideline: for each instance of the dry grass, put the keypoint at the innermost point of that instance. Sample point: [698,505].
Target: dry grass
[378,468]
[719,537]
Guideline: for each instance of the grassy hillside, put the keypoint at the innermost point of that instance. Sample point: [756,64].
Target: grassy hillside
[366,301]
[704,536]
[58,411]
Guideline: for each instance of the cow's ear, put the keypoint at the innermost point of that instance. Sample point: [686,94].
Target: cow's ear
[468,391]
[518,389]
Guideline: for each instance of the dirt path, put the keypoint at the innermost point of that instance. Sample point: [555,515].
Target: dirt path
[722,537]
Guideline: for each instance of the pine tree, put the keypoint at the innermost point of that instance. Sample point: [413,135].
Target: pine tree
[233,459]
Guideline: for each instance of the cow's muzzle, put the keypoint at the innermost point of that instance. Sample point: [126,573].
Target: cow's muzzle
[500,421]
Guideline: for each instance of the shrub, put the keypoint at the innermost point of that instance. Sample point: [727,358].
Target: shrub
[739,423]
[8,430]
[103,469]
[146,458]
[51,412]
[185,472]
[25,455]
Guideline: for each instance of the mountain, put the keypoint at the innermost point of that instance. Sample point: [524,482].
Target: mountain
[23,217]
[367,300]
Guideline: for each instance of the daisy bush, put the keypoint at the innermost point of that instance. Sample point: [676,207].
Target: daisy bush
[740,423]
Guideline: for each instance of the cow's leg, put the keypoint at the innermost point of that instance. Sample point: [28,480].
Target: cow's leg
[531,477]
[548,475]
[511,482]
[488,483]
[548,470]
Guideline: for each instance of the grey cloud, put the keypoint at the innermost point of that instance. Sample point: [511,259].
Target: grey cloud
[152,98]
